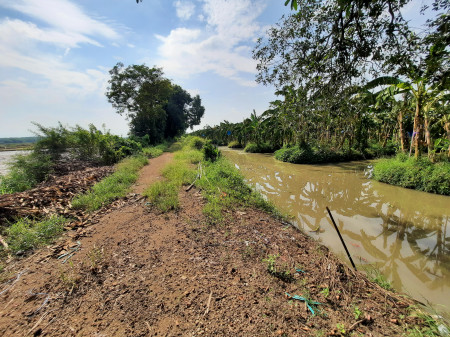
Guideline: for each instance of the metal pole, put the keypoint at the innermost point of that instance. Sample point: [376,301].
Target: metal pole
[340,237]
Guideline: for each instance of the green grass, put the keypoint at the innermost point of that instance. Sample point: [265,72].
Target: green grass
[115,186]
[234,145]
[27,234]
[422,174]
[221,183]
[164,195]
[375,276]
[25,172]
[259,148]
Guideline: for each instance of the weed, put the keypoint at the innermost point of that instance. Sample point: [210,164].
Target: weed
[152,152]
[112,187]
[213,212]
[428,327]
[356,312]
[325,292]
[341,328]
[96,257]
[27,234]
[375,276]
[69,278]
[179,173]
[164,195]
[277,270]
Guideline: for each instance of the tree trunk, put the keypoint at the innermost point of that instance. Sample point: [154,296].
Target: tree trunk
[417,134]
[401,130]
[447,129]
[428,137]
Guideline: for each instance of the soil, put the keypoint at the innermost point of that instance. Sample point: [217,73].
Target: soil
[137,272]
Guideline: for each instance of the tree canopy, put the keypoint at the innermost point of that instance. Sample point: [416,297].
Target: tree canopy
[155,106]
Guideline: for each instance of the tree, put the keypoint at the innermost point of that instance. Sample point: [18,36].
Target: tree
[155,106]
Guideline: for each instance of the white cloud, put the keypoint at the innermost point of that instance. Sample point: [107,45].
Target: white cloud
[40,48]
[64,15]
[184,9]
[223,46]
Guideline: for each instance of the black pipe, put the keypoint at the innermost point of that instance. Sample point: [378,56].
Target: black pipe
[340,237]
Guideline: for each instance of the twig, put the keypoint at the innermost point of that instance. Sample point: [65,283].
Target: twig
[40,320]
[149,327]
[14,282]
[355,324]
[209,302]
[4,243]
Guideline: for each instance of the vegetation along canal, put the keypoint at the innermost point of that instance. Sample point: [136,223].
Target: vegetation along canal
[403,233]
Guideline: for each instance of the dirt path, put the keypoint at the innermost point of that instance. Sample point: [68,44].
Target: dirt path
[142,273]
[151,173]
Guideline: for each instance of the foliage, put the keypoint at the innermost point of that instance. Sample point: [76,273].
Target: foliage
[234,145]
[112,187]
[157,108]
[375,276]
[210,152]
[84,144]
[25,171]
[163,195]
[259,148]
[27,234]
[419,174]
[276,269]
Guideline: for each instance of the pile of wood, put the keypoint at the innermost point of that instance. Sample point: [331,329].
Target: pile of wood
[52,196]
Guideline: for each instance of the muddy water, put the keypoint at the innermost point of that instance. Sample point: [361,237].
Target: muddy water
[404,233]
[5,157]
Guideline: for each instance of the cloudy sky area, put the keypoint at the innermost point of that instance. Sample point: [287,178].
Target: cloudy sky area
[55,56]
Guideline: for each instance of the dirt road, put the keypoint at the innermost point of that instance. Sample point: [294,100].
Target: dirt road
[138,272]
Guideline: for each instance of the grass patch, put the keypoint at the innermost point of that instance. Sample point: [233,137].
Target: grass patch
[164,195]
[375,276]
[259,148]
[115,186]
[422,174]
[234,145]
[25,172]
[28,234]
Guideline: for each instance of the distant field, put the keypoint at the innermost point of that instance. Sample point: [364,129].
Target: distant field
[17,143]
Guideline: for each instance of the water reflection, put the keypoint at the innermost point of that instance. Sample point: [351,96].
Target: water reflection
[403,232]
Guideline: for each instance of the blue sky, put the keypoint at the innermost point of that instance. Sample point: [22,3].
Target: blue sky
[55,56]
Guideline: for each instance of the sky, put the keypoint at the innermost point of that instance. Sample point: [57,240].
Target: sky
[55,56]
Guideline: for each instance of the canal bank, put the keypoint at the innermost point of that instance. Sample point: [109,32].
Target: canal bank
[403,233]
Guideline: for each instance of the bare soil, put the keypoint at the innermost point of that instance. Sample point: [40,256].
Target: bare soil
[137,272]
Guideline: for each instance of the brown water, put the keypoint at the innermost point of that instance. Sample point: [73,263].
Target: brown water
[5,157]
[402,232]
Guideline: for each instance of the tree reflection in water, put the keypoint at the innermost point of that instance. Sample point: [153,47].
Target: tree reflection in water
[402,232]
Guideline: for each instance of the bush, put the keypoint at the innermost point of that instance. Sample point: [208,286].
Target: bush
[235,145]
[27,234]
[419,174]
[26,171]
[259,148]
[305,154]
[210,152]
[196,142]
[152,152]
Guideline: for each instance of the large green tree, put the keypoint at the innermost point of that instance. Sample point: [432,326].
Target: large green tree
[153,104]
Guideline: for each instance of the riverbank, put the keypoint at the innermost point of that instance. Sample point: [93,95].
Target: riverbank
[136,271]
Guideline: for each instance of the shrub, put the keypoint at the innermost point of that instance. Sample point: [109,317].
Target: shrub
[210,152]
[259,148]
[419,174]
[26,171]
[196,142]
[27,234]
[152,152]
[235,145]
